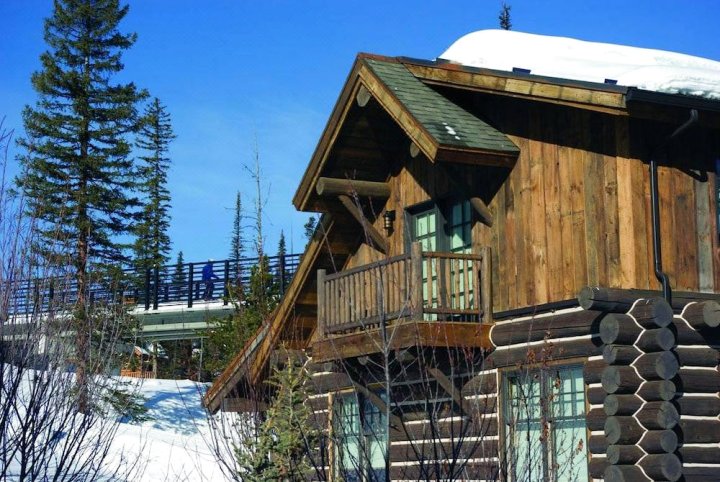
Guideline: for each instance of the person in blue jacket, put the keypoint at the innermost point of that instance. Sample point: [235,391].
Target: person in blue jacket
[207,276]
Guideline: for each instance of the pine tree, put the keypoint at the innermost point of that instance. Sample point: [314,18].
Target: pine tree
[179,278]
[152,245]
[287,436]
[77,173]
[310,227]
[237,241]
[282,275]
[504,16]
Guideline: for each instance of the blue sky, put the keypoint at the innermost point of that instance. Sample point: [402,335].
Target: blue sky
[234,74]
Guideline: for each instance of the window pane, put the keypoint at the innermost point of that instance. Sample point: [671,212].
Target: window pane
[347,428]
[545,425]
[569,434]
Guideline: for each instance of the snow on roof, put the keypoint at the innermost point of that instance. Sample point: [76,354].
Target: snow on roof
[567,58]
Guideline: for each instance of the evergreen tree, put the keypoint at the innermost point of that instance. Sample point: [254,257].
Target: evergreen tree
[237,247]
[77,174]
[179,278]
[287,436]
[152,244]
[504,16]
[282,275]
[310,227]
[237,241]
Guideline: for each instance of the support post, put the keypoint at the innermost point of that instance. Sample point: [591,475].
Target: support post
[321,314]
[416,281]
[486,285]
[190,286]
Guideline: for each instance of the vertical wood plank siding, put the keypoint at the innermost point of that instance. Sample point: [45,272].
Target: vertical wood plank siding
[575,209]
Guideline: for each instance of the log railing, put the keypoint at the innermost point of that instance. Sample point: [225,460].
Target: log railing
[424,286]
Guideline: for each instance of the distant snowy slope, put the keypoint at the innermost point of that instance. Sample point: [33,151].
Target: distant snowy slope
[567,58]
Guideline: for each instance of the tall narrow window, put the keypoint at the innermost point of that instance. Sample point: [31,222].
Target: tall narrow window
[545,430]
[446,227]
[361,442]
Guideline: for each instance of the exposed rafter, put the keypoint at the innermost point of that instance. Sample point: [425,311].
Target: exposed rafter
[378,240]
[328,186]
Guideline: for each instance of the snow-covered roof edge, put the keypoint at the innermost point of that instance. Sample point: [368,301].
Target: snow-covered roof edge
[567,58]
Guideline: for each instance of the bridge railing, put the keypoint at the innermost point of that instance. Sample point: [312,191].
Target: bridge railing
[172,284]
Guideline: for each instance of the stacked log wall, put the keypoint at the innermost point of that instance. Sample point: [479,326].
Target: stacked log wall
[659,384]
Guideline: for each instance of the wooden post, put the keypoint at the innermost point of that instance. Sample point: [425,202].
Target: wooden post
[190,286]
[154,360]
[321,314]
[416,282]
[486,285]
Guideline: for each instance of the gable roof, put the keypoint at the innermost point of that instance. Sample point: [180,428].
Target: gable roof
[442,130]
[447,125]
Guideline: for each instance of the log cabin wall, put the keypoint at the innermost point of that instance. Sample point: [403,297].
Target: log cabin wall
[575,208]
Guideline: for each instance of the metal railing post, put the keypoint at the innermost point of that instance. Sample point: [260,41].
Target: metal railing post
[226,292]
[190,286]
[156,288]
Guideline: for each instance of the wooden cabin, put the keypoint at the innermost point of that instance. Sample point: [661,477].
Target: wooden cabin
[483,280]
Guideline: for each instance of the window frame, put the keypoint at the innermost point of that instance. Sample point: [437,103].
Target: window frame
[442,209]
[549,452]
[363,471]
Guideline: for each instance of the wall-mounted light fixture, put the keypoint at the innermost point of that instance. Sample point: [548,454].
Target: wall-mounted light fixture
[388,220]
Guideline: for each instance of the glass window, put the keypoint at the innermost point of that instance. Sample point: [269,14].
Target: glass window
[446,228]
[546,438]
[360,439]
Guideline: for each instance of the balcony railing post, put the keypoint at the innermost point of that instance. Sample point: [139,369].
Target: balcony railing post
[321,315]
[190,286]
[416,285]
[486,315]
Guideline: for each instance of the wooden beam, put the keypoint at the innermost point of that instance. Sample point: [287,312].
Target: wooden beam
[444,334]
[477,204]
[363,96]
[328,186]
[590,97]
[450,388]
[621,300]
[378,241]
[395,421]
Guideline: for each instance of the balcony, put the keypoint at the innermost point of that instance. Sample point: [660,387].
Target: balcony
[418,297]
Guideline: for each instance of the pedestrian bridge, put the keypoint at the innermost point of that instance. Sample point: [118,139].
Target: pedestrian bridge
[168,301]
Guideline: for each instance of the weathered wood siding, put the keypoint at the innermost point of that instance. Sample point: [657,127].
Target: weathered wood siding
[575,209]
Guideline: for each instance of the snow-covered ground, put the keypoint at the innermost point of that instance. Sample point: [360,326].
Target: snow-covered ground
[568,58]
[173,444]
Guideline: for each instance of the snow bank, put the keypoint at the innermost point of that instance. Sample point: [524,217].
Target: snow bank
[655,70]
[173,444]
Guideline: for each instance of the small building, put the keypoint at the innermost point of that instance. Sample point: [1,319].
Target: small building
[517,274]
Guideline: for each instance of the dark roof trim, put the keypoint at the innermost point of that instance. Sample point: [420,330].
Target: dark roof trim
[673,100]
